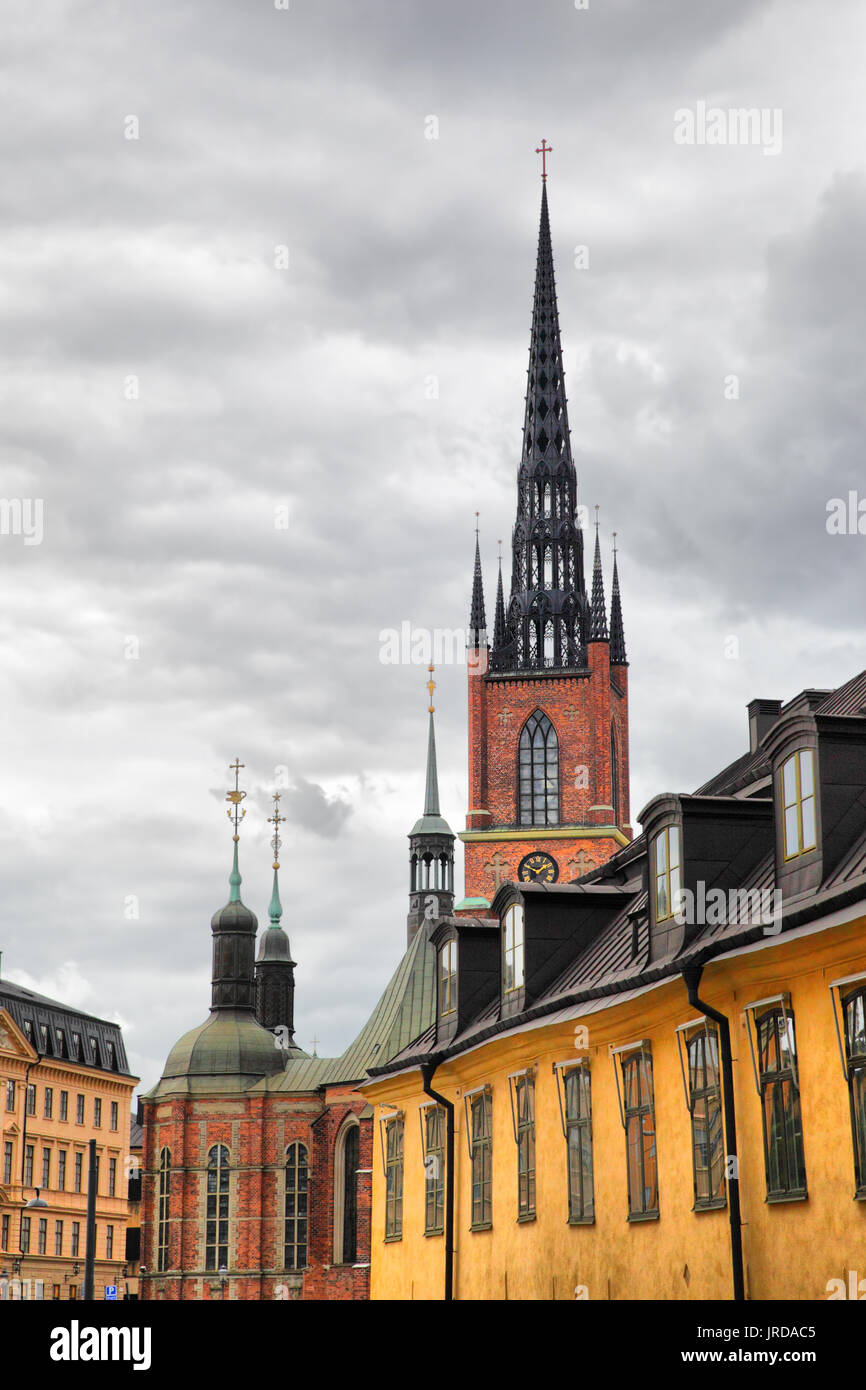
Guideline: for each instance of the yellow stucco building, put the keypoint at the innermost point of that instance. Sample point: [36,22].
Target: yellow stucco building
[64,1080]
[654,1078]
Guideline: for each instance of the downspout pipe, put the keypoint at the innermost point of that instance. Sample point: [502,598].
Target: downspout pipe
[692,977]
[427,1072]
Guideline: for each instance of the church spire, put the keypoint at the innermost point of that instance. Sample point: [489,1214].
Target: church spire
[431,793]
[275,969]
[598,629]
[477,619]
[617,635]
[547,622]
[431,846]
[234,926]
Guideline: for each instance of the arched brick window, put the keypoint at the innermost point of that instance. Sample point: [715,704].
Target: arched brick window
[216,1248]
[297,1206]
[163,1197]
[538,769]
[347,1158]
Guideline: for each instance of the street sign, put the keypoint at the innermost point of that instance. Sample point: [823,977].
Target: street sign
[111,1291]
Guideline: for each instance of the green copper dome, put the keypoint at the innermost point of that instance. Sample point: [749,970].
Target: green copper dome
[235,915]
[229,1051]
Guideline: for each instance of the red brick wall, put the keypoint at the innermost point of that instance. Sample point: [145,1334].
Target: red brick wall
[256,1130]
[582,709]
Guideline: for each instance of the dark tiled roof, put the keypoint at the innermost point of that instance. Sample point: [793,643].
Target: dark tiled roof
[42,1020]
[850,698]
[749,767]
[851,867]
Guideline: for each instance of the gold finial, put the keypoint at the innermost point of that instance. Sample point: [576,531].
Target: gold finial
[614,542]
[235,813]
[596,516]
[276,821]
[431,686]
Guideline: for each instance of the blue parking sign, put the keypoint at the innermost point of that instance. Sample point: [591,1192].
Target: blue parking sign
[111,1291]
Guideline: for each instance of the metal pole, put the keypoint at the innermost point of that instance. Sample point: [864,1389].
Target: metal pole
[692,977]
[90,1228]
[428,1070]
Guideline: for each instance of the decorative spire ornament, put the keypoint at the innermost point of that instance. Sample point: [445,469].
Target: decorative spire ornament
[275,910]
[235,814]
[544,150]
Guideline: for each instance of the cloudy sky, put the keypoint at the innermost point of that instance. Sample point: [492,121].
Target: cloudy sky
[265,293]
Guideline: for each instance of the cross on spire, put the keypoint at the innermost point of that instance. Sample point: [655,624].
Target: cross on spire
[544,150]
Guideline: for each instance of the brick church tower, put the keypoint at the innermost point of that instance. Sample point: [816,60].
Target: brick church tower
[548,699]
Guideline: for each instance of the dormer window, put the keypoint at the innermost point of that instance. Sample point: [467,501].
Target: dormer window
[666,869]
[448,978]
[512,949]
[798,803]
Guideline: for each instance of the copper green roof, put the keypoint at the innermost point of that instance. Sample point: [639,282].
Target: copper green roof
[405,1009]
[230,1051]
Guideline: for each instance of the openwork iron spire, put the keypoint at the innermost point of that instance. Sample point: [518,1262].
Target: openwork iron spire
[547,620]
[617,634]
[598,628]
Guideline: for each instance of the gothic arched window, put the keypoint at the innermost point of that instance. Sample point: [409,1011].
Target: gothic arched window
[297,1206]
[346,1164]
[216,1249]
[614,778]
[162,1209]
[350,1194]
[539,772]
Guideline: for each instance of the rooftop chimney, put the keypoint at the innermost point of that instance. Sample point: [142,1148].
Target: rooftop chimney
[762,716]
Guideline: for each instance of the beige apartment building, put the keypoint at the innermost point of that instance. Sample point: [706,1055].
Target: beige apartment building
[64,1079]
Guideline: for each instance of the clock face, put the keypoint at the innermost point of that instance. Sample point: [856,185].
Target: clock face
[538,868]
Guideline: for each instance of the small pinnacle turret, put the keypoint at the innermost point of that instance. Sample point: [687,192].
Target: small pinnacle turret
[617,634]
[477,618]
[499,619]
[598,626]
